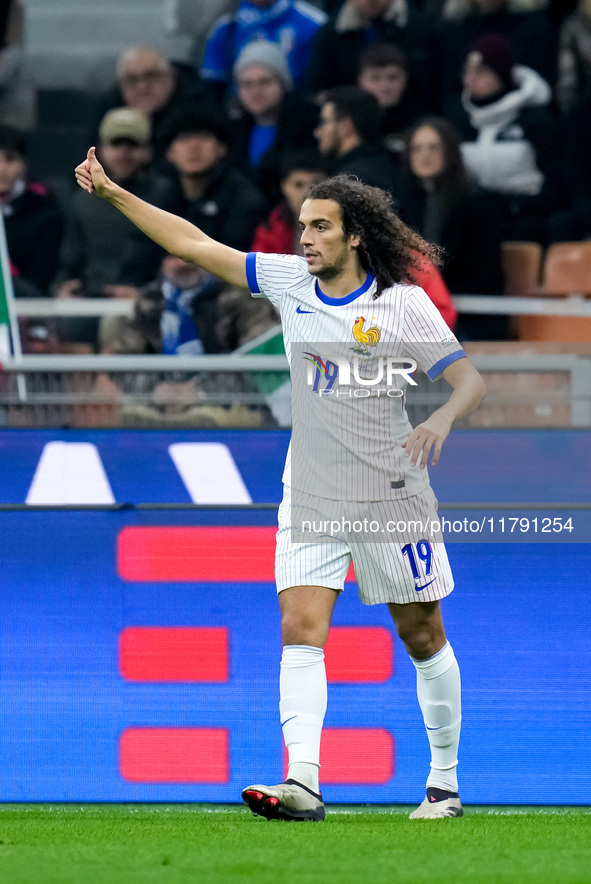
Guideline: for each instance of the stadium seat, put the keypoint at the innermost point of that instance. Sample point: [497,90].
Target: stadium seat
[522,265]
[566,272]
[567,269]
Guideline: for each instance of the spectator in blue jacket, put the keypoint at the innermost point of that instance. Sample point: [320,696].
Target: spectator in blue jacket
[289,23]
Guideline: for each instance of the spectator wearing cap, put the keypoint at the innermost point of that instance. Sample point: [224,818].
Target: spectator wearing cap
[270,119]
[290,24]
[91,254]
[32,219]
[204,187]
[524,22]
[510,138]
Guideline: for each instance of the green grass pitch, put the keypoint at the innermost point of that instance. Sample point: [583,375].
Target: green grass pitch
[140,844]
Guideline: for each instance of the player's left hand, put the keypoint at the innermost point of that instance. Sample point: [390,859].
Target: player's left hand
[426,436]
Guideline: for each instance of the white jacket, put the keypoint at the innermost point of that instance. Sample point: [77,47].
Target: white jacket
[501,158]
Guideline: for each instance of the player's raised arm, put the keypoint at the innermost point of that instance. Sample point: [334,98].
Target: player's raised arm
[177,236]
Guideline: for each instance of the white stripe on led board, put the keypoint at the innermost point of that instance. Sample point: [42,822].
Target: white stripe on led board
[209,472]
[70,473]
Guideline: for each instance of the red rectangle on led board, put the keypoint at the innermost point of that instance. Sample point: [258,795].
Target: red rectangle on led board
[356,755]
[174,654]
[199,554]
[174,755]
[359,654]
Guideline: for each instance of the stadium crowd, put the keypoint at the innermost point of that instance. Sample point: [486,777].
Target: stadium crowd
[475,115]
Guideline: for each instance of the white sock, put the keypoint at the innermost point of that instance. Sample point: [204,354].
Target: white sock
[302,705]
[438,690]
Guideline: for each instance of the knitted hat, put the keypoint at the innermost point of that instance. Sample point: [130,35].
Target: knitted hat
[263,53]
[497,53]
[125,122]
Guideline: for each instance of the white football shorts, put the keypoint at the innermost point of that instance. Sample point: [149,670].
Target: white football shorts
[396,547]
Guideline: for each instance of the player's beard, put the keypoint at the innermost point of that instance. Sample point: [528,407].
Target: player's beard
[334,270]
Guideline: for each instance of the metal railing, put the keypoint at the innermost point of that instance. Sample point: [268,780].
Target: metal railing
[505,305]
[525,389]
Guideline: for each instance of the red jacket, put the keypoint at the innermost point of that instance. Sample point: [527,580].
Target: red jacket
[275,235]
[430,279]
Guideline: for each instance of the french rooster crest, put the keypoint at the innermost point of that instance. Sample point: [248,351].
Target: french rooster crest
[366,339]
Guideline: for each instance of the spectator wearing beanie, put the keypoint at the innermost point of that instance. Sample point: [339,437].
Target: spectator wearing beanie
[510,139]
[269,119]
[524,22]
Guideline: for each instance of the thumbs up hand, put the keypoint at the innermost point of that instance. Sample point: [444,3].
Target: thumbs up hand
[90,175]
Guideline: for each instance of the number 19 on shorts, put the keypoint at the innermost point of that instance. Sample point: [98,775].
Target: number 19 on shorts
[416,553]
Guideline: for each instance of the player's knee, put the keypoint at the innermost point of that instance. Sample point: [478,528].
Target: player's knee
[420,640]
[300,628]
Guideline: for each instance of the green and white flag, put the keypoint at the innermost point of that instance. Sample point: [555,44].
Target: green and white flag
[8,320]
[4,324]
[275,386]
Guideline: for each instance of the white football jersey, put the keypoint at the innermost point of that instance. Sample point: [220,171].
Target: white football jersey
[351,360]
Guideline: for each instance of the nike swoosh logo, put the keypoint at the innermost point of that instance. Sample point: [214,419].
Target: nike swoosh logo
[288,719]
[299,310]
[425,585]
[433,728]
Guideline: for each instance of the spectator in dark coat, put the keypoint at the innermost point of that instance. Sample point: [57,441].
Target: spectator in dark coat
[349,136]
[357,24]
[205,188]
[271,119]
[33,221]
[441,204]
[510,139]
[524,22]
[574,56]
[574,222]
[93,246]
[383,71]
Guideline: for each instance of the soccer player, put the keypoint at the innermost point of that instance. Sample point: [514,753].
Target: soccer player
[358,260]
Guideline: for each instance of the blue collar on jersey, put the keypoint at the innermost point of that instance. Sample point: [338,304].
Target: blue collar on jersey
[336,302]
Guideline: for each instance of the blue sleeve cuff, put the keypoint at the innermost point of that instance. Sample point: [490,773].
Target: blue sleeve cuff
[440,366]
[251,272]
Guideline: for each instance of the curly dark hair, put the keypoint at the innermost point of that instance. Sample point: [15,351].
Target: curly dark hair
[388,248]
